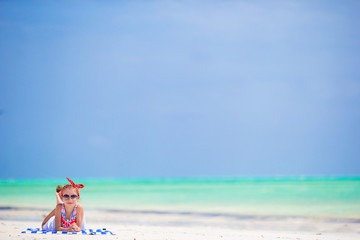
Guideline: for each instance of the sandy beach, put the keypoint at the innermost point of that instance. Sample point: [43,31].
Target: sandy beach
[171,225]
[180,120]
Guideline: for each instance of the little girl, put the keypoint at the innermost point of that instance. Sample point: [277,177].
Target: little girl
[68,215]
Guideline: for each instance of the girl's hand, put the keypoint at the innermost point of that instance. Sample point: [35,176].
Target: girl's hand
[74,228]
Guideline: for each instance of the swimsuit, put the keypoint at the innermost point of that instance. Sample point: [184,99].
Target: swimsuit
[64,222]
[50,224]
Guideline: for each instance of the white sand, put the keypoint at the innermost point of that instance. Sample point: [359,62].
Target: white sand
[185,226]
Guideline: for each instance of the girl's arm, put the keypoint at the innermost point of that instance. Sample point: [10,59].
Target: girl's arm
[48,217]
[76,227]
[58,226]
[79,215]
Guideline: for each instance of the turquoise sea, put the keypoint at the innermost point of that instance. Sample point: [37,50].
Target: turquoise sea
[316,197]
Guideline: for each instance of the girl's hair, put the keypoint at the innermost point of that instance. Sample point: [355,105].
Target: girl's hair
[72,184]
[59,187]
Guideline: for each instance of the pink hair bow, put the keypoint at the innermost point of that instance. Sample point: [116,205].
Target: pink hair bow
[75,185]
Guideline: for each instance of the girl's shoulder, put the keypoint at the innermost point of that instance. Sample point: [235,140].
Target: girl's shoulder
[58,207]
[79,207]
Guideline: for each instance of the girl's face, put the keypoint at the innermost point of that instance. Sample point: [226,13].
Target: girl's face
[70,196]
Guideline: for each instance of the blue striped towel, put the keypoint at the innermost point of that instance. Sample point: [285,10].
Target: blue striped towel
[87,232]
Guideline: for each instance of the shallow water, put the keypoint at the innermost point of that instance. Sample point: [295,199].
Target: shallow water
[322,197]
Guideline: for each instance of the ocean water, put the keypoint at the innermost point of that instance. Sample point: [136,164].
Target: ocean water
[318,197]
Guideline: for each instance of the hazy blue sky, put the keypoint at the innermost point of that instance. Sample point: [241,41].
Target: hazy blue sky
[179,88]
